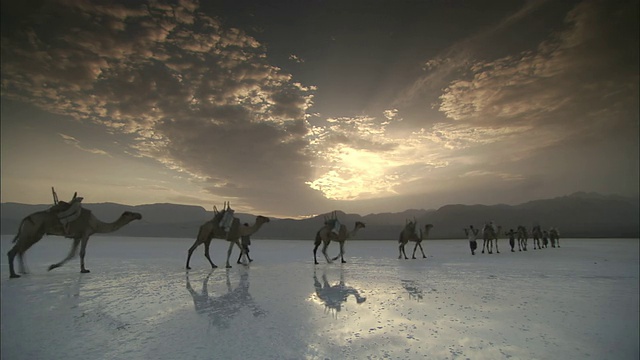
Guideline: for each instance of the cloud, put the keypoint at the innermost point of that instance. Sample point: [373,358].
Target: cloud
[361,157]
[565,75]
[296,59]
[75,143]
[198,97]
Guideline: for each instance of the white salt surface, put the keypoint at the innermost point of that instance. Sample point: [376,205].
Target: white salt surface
[576,302]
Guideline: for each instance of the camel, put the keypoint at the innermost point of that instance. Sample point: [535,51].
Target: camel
[522,238]
[536,234]
[212,229]
[209,230]
[326,234]
[554,237]
[423,235]
[545,239]
[33,227]
[490,234]
[332,296]
[237,232]
[407,234]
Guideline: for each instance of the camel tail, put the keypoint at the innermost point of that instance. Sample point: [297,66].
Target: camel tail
[19,230]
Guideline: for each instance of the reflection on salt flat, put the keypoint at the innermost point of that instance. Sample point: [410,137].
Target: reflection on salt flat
[333,296]
[223,308]
[413,289]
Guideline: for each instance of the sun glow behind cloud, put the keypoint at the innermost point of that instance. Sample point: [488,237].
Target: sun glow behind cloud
[361,158]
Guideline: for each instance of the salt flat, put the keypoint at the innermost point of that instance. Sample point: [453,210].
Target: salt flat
[579,301]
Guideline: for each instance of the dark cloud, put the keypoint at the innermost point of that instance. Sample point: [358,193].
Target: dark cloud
[199,97]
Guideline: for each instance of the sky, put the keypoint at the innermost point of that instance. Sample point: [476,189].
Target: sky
[296,108]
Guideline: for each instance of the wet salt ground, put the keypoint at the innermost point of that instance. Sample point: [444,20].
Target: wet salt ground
[576,302]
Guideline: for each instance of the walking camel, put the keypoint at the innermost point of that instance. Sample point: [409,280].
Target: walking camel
[409,234]
[536,234]
[423,235]
[327,233]
[522,238]
[213,229]
[490,234]
[209,230]
[554,237]
[33,227]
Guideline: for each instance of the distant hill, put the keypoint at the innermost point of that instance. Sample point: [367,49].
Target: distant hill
[576,215]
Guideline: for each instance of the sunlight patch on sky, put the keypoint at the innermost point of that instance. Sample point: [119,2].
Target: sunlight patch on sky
[358,158]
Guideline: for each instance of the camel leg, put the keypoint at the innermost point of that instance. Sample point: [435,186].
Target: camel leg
[20,249]
[231,243]
[324,251]
[83,251]
[497,251]
[400,251]
[558,242]
[11,255]
[413,256]
[422,251]
[21,263]
[72,253]
[484,243]
[341,253]
[206,254]
[191,249]
[315,249]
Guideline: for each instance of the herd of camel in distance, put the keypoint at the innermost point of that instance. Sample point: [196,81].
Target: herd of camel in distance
[71,220]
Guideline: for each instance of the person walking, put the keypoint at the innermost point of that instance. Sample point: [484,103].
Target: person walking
[512,239]
[245,241]
[472,234]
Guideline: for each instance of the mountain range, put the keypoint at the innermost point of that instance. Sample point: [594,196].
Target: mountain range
[577,215]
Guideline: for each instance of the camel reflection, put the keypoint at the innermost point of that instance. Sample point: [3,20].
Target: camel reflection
[414,291]
[221,309]
[333,296]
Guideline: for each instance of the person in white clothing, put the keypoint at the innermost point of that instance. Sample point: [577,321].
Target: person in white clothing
[472,234]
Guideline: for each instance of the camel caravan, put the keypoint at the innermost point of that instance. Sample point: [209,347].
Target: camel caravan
[71,220]
[491,233]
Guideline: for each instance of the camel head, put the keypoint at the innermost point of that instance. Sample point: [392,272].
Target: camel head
[428,226]
[359,225]
[130,216]
[262,219]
